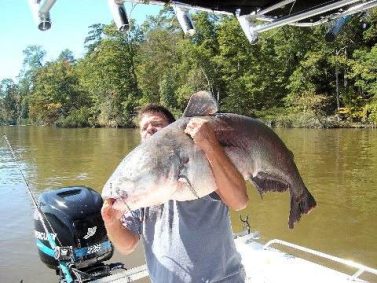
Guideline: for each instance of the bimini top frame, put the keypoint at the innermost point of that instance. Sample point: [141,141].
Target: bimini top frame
[258,16]
[254,16]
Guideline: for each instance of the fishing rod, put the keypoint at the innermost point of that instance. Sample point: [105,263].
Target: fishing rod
[58,252]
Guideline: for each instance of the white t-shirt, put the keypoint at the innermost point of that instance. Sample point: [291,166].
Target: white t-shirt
[189,241]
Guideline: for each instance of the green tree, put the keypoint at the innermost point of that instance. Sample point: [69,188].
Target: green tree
[197,69]
[94,37]
[108,75]
[9,102]
[33,61]
[167,90]
[66,55]
[158,56]
[56,93]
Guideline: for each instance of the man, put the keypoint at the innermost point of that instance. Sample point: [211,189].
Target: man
[188,241]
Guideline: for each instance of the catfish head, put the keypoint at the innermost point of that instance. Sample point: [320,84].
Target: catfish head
[149,175]
[166,166]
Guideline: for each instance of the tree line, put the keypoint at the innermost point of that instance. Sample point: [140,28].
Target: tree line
[292,77]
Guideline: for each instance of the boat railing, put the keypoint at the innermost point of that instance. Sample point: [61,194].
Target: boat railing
[360,267]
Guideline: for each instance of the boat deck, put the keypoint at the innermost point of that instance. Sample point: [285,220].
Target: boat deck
[264,264]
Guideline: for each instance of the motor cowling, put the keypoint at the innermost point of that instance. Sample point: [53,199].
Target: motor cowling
[73,216]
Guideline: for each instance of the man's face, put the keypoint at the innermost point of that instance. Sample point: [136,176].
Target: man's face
[151,123]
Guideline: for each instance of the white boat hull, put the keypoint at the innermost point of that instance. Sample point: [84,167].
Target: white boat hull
[268,265]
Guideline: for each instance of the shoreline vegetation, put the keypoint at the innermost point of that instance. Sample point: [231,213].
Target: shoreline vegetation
[308,121]
[291,78]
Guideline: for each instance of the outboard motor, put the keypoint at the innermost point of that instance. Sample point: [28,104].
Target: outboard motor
[73,216]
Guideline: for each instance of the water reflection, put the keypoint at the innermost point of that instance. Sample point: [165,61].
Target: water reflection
[57,157]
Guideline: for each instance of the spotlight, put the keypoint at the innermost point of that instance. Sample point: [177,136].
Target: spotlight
[119,15]
[41,13]
[184,20]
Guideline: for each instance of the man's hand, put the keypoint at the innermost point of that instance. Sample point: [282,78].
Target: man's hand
[230,184]
[201,133]
[124,240]
[110,215]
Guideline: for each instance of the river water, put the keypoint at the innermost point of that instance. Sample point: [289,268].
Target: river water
[339,167]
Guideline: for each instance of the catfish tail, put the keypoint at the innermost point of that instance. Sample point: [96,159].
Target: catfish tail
[299,206]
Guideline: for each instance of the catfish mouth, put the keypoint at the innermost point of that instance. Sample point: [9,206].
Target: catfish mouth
[120,202]
[121,205]
[149,195]
[132,202]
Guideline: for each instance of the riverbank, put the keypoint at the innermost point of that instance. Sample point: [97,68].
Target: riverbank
[313,121]
[282,120]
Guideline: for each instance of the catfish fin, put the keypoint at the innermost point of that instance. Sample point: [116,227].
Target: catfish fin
[265,182]
[201,103]
[299,206]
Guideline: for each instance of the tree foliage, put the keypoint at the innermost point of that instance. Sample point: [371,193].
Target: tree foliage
[292,76]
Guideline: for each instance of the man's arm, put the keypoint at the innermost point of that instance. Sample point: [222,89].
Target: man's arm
[123,239]
[230,184]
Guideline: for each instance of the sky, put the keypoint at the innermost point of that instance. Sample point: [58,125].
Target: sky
[70,21]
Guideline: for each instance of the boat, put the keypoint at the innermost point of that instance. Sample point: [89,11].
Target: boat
[265,263]
[71,239]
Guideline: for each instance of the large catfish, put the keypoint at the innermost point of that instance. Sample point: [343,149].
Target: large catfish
[169,166]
